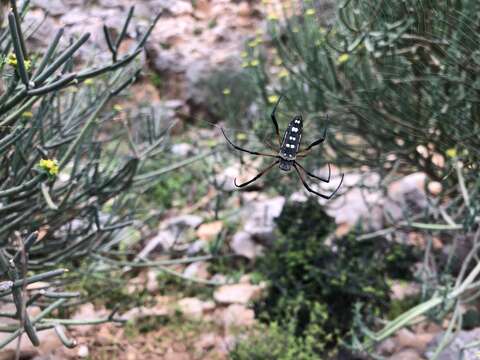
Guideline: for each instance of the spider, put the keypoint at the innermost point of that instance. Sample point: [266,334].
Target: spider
[289,150]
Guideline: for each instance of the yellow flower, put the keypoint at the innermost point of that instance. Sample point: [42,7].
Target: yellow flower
[49,165]
[272,17]
[277,61]
[253,43]
[27,114]
[117,107]
[244,54]
[226,91]
[296,29]
[272,99]
[241,136]
[310,12]
[451,153]
[254,62]
[342,59]
[12,59]
[28,64]
[245,64]
[283,73]
[89,82]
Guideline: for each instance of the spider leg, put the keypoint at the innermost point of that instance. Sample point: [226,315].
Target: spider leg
[309,189]
[261,173]
[245,150]
[275,122]
[304,152]
[314,176]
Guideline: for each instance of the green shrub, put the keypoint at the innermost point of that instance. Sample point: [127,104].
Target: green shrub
[66,168]
[398,79]
[229,94]
[273,342]
[318,284]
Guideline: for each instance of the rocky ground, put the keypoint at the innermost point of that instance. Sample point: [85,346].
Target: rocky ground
[191,39]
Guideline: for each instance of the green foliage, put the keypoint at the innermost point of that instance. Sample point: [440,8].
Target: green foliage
[173,189]
[64,162]
[273,342]
[392,75]
[318,284]
[169,284]
[229,95]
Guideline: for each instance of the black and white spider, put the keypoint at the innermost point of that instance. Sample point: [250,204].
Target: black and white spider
[289,150]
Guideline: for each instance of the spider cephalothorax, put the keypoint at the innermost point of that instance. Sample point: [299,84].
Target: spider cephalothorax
[289,150]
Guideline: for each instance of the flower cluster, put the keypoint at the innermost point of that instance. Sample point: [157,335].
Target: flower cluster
[49,165]
[11,60]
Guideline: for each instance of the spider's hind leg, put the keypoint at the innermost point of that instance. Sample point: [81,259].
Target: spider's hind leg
[315,176]
[309,189]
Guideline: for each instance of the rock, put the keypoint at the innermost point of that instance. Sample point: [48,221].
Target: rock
[183,221]
[85,311]
[237,315]
[191,307]
[243,244]
[143,312]
[237,293]
[197,246]
[259,223]
[356,203]
[198,269]
[152,283]
[182,149]
[386,347]
[49,342]
[170,234]
[83,351]
[434,188]
[174,355]
[54,7]
[209,231]
[408,354]
[194,308]
[244,9]
[406,193]
[207,342]
[401,289]
[454,348]
[111,3]
[407,339]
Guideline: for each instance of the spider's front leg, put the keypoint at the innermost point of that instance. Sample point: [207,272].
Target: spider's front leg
[304,152]
[275,122]
[245,150]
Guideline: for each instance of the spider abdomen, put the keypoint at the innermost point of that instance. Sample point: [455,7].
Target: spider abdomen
[291,139]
